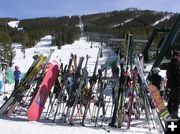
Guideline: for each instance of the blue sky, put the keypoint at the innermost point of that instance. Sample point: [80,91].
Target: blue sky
[22,9]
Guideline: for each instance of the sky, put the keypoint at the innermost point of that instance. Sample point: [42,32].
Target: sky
[23,9]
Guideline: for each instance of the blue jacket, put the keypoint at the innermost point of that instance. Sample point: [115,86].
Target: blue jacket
[17,74]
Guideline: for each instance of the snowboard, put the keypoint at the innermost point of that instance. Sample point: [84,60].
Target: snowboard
[162,109]
[35,109]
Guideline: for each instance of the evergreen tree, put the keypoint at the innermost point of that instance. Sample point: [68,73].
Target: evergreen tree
[7,52]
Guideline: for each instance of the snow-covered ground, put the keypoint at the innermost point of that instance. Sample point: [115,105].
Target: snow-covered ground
[13,24]
[20,124]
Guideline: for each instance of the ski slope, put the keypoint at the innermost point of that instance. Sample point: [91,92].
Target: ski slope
[20,124]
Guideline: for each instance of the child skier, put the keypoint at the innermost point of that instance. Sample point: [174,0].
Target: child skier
[17,74]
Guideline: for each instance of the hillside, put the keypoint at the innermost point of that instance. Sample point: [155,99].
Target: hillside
[116,23]
[139,22]
[65,30]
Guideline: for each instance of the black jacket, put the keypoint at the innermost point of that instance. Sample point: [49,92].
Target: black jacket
[173,74]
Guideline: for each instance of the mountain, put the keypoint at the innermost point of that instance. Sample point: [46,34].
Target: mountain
[66,29]
[115,23]
[139,22]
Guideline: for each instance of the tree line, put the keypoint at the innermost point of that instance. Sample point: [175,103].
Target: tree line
[65,29]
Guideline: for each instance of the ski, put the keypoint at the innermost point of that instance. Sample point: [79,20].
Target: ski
[39,76]
[78,92]
[18,93]
[64,77]
[118,111]
[100,102]
[92,82]
[145,86]
[131,99]
[77,79]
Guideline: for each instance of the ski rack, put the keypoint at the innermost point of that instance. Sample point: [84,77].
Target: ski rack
[150,106]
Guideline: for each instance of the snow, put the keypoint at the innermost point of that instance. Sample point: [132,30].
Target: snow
[13,24]
[45,41]
[20,124]
[167,17]
[126,21]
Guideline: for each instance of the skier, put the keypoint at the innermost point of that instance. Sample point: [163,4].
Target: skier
[173,84]
[17,74]
[156,79]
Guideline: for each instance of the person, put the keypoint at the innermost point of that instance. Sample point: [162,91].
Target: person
[156,79]
[17,74]
[1,81]
[173,84]
[3,69]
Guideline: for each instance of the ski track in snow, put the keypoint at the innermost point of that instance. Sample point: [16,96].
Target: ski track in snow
[167,17]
